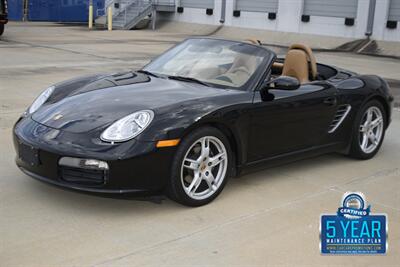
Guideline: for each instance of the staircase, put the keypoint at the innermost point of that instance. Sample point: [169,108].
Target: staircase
[132,14]
[126,13]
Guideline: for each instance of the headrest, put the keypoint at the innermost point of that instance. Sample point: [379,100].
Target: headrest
[310,56]
[296,65]
[253,41]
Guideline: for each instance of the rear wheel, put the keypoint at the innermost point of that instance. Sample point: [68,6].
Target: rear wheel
[370,131]
[201,167]
[1,29]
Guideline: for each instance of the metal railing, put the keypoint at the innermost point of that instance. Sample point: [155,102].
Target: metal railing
[122,3]
[143,7]
[103,11]
[127,13]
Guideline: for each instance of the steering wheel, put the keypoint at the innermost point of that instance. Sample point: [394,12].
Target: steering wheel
[224,78]
[242,69]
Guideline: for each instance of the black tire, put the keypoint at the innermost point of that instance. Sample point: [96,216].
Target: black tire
[1,29]
[175,189]
[355,148]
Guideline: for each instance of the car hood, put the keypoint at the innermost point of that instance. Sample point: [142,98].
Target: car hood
[90,103]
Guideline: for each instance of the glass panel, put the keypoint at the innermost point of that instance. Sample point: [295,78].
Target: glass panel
[218,62]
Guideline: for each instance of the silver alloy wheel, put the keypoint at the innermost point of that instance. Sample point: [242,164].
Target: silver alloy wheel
[371,129]
[204,167]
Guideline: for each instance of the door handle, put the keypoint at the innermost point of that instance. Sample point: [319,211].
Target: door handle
[330,101]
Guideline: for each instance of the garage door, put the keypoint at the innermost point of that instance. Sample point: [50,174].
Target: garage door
[15,9]
[257,5]
[331,8]
[198,3]
[61,11]
[394,10]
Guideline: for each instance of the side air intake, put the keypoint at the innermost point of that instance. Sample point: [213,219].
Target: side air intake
[340,115]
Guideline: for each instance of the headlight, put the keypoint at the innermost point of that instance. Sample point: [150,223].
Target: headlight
[41,99]
[128,127]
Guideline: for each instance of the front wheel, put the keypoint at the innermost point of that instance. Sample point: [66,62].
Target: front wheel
[1,29]
[201,167]
[369,131]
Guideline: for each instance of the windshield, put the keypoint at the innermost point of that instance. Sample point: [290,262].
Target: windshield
[217,62]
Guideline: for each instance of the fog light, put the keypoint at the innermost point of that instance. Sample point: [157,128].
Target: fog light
[83,163]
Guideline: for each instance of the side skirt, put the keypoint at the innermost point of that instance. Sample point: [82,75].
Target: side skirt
[289,157]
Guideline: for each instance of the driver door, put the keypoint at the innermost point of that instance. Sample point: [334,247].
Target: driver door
[290,120]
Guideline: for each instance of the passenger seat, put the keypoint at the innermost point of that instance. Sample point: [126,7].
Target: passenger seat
[300,63]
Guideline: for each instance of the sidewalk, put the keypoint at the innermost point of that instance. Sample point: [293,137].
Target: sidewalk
[148,43]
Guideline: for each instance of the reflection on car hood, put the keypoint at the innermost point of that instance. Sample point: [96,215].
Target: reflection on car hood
[84,105]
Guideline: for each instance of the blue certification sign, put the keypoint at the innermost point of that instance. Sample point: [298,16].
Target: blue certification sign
[353,230]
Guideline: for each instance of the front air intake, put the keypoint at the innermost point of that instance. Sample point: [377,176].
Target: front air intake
[340,115]
[80,176]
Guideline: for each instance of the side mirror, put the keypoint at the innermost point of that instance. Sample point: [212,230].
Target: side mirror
[282,83]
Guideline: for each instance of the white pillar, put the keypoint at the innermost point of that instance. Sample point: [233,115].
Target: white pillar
[381,16]
[289,15]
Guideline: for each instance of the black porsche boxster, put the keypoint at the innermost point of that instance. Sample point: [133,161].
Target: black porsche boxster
[205,110]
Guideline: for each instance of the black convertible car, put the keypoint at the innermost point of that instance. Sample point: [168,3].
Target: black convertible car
[3,15]
[205,110]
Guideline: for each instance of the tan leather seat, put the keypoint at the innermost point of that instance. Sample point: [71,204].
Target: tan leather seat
[300,63]
[253,41]
[242,68]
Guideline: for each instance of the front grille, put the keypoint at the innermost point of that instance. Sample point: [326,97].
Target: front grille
[80,176]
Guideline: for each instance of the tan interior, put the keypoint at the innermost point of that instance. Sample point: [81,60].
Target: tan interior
[241,70]
[278,66]
[299,63]
[253,41]
[296,65]
[310,58]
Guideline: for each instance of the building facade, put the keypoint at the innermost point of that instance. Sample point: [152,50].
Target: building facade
[344,18]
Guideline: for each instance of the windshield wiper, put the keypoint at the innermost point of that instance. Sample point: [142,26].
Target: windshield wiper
[148,73]
[187,79]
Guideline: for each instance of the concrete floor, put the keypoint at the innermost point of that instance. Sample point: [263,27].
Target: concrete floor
[266,218]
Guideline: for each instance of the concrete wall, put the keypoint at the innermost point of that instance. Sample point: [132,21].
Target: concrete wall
[289,20]
[381,16]
[197,15]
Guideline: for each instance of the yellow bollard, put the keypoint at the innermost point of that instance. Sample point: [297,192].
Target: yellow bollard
[90,17]
[109,18]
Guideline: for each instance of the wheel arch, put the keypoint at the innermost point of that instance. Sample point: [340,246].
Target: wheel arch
[384,103]
[378,90]
[234,139]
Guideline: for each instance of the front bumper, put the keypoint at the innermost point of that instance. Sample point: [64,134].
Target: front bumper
[134,167]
